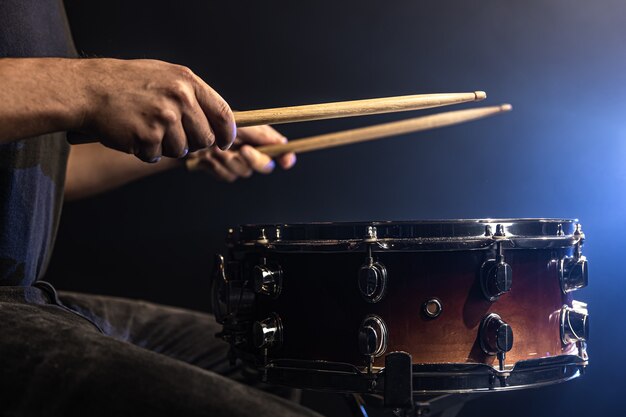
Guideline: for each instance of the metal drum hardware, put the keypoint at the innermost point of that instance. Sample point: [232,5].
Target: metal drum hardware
[373,336]
[496,276]
[268,333]
[268,280]
[387,333]
[574,271]
[496,337]
[372,279]
[432,308]
[231,298]
[371,235]
[574,323]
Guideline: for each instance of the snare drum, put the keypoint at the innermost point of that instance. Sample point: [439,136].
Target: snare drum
[448,306]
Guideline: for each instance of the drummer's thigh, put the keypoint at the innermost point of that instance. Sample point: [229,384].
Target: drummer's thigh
[178,333]
[56,364]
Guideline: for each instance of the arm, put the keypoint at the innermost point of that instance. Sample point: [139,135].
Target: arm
[143,107]
[39,96]
[93,169]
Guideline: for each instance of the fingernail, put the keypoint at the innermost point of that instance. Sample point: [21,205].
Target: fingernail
[283,139]
[185,152]
[292,160]
[226,147]
[270,166]
[155,160]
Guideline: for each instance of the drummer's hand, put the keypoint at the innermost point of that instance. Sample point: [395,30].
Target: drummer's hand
[242,159]
[151,108]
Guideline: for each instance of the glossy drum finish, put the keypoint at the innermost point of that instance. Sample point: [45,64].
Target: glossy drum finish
[322,307]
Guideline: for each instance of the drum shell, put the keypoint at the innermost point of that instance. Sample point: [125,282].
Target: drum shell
[321,308]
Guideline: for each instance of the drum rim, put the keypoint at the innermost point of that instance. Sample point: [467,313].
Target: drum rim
[443,234]
[435,378]
[424,221]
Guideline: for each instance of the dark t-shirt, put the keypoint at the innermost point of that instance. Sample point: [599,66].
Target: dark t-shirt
[32,171]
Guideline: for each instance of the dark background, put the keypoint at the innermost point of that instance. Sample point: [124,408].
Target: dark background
[560,153]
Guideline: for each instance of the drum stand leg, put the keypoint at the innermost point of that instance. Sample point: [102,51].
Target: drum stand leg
[448,405]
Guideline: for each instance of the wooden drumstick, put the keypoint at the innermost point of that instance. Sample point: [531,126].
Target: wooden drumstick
[385,130]
[352,108]
[333,110]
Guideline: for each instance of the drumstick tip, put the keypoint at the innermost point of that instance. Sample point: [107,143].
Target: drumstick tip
[480,95]
[506,107]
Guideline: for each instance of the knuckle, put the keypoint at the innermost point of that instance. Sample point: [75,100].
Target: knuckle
[168,116]
[182,93]
[184,72]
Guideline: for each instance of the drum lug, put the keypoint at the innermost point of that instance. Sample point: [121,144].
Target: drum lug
[268,280]
[496,337]
[373,336]
[574,323]
[268,333]
[574,271]
[496,276]
[372,280]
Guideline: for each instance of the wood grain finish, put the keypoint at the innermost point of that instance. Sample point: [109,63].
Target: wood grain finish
[322,309]
[352,108]
[382,131]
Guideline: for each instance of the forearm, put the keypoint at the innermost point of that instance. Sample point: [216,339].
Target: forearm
[40,95]
[93,169]
[143,107]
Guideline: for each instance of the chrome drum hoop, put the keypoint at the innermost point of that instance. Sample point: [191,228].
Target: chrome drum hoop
[449,378]
[426,235]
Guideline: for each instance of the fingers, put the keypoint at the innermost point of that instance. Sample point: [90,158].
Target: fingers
[197,128]
[148,148]
[234,162]
[154,108]
[266,135]
[166,137]
[214,167]
[260,135]
[258,161]
[218,113]
[287,161]
[175,141]
[223,165]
